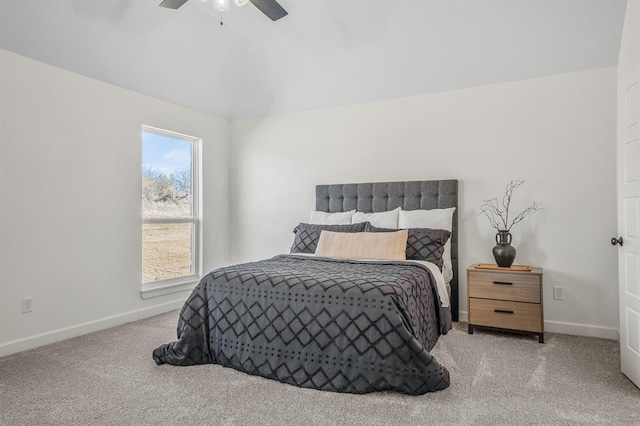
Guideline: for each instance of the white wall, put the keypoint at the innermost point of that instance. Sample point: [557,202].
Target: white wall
[70,231]
[558,133]
[70,178]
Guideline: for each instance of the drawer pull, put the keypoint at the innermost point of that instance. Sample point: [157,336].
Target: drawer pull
[502,311]
[502,283]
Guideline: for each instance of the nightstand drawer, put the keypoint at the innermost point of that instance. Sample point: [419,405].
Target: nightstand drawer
[504,286]
[505,314]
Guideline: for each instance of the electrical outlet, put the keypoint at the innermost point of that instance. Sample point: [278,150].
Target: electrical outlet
[558,293]
[27,304]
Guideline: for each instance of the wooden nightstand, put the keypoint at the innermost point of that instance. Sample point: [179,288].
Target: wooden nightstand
[505,300]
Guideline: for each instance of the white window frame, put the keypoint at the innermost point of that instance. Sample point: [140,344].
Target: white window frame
[174,285]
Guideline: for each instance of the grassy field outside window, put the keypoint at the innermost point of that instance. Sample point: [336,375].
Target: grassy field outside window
[166,251]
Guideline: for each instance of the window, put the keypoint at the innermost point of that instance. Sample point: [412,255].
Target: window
[170,208]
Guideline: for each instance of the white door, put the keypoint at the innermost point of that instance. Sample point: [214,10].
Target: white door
[629,192]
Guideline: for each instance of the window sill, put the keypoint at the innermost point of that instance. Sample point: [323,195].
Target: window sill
[154,290]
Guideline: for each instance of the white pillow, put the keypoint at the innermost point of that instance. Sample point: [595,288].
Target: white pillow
[324,218]
[434,219]
[387,220]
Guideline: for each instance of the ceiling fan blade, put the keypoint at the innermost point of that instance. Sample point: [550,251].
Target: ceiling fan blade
[172,4]
[271,8]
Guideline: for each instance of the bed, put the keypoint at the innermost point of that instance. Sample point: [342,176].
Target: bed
[340,325]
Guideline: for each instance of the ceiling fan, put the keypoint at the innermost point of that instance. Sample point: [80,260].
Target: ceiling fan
[271,8]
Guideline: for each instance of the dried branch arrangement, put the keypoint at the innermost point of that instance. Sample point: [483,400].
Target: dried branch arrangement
[499,215]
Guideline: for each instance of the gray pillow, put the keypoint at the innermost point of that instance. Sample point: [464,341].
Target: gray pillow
[422,243]
[307,235]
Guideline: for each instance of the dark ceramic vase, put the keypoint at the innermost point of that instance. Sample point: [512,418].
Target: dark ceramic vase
[503,251]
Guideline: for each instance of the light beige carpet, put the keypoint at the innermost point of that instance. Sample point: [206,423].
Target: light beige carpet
[109,378]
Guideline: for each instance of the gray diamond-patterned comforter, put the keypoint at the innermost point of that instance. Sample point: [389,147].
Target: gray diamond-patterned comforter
[337,325]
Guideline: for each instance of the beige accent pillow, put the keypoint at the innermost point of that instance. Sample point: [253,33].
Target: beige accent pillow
[363,245]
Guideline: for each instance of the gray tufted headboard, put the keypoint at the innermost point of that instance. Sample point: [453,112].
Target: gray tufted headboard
[385,196]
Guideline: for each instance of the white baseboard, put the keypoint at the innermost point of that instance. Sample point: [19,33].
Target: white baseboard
[570,328]
[582,330]
[31,342]
[160,309]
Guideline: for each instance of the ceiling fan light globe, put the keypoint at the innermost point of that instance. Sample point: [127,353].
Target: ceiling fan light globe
[241,2]
[222,5]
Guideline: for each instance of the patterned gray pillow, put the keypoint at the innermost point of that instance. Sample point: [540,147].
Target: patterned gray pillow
[307,235]
[422,243]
